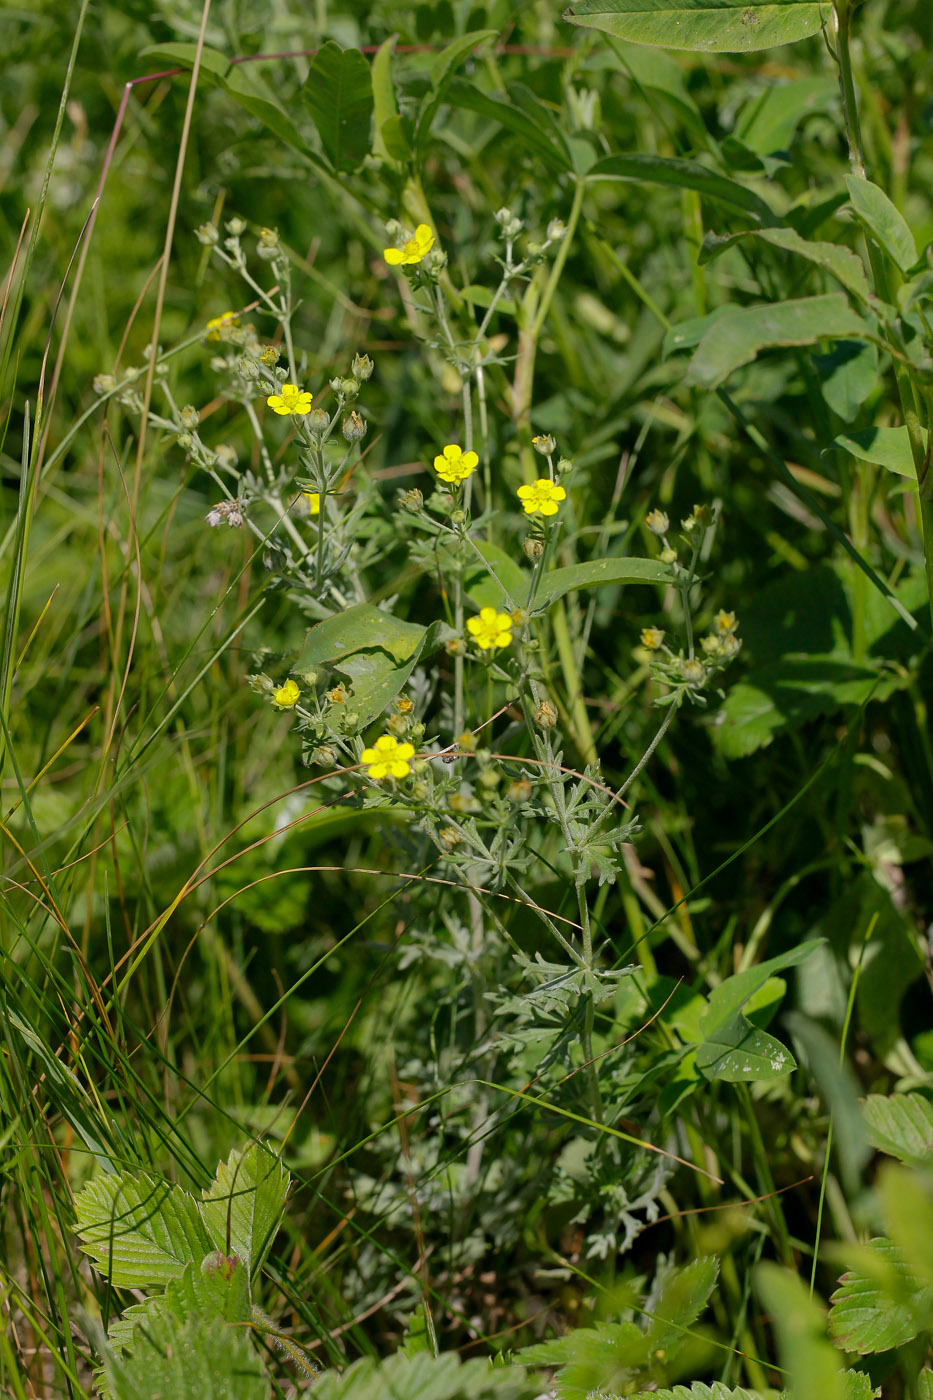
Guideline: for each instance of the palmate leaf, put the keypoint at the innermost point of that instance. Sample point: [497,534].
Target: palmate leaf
[176,1359]
[141,1232]
[425,1377]
[245,1202]
[703,26]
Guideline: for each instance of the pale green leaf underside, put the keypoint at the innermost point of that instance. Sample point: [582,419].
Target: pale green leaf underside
[246,1200]
[703,26]
[902,1126]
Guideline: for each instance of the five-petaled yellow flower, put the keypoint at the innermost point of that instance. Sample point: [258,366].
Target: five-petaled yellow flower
[542,497]
[290,400]
[287,696]
[412,251]
[455,464]
[388,758]
[490,629]
[314,501]
[218,324]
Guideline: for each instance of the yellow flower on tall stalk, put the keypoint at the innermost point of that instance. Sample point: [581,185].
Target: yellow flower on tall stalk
[542,497]
[290,400]
[490,629]
[413,250]
[388,758]
[217,325]
[455,465]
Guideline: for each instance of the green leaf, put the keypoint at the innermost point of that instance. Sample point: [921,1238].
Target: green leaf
[448,60]
[243,1206]
[376,650]
[886,447]
[902,1126]
[425,1377]
[907,1205]
[699,1391]
[596,1359]
[814,1368]
[249,89]
[736,991]
[739,336]
[659,76]
[176,1360]
[840,1092]
[838,261]
[882,221]
[142,1232]
[594,572]
[879,1304]
[554,154]
[685,175]
[338,93]
[217,1290]
[739,1052]
[182,56]
[703,26]
[682,1299]
[503,584]
[848,374]
[767,124]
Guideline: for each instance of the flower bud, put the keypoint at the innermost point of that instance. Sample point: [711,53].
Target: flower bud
[533,546]
[725,622]
[318,420]
[207,234]
[546,715]
[362,367]
[397,725]
[652,638]
[544,444]
[324,756]
[411,500]
[236,227]
[556,230]
[564,465]
[417,731]
[489,778]
[189,416]
[668,555]
[519,790]
[268,238]
[349,388]
[448,837]
[104,384]
[693,672]
[354,427]
[458,518]
[418,787]
[338,695]
[503,216]
[658,522]
[351,722]
[455,647]
[247,368]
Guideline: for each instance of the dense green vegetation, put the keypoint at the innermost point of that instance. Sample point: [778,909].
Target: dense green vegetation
[467,560]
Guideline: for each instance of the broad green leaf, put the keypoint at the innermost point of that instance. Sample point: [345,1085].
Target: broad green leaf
[339,95]
[739,1052]
[839,262]
[450,58]
[596,1359]
[847,374]
[175,1360]
[814,1368]
[879,1304]
[243,1206]
[249,89]
[395,138]
[182,56]
[886,447]
[377,651]
[902,1126]
[883,221]
[216,1290]
[688,334]
[734,993]
[703,26]
[500,582]
[467,96]
[685,175]
[743,332]
[767,124]
[593,572]
[907,1207]
[658,76]
[385,107]
[425,1377]
[141,1232]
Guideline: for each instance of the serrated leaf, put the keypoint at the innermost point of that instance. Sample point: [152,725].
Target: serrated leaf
[907,1205]
[682,1300]
[902,1126]
[338,94]
[685,175]
[243,1206]
[877,1305]
[699,1391]
[743,332]
[216,1290]
[141,1232]
[883,221]
[424,1377]
[176,1360]
[703,26]
[841,263]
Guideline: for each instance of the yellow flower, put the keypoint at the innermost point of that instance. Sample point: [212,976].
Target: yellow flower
[725,622]
[287,696]
[652,638]
[490,629]
[314,501]
[220,324]
[412,251]
[455,464]
[388,758]
[291,400]
[542,497]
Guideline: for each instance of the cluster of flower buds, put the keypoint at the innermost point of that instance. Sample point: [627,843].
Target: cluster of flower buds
[225,512]
[511,226]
